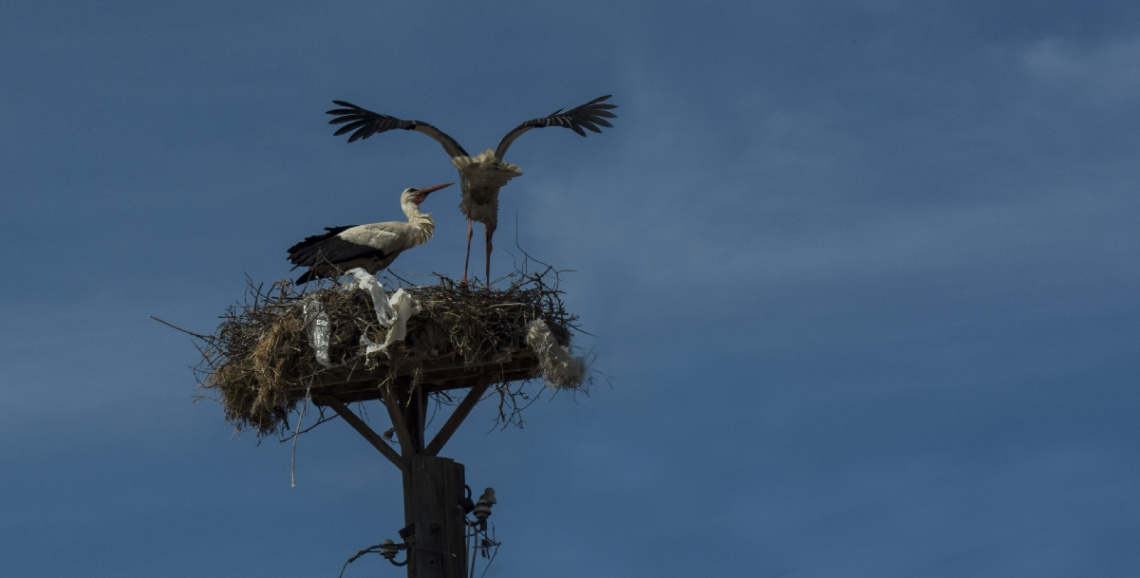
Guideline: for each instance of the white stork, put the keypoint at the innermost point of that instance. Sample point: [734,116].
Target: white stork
[372,247]
[481,176]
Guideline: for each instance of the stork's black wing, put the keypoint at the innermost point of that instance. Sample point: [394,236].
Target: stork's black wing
[363,123]
[324,254]
[588,116]
[318,249]
[329,248]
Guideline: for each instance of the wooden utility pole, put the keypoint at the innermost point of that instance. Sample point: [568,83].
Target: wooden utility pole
[439,520]
[435,497]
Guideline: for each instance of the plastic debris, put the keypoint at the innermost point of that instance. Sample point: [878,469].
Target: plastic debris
[317,326]
[559,366]
[364,280]
[391,312]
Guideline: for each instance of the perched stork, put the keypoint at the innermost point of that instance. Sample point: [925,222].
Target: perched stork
[372,247]
[481,176]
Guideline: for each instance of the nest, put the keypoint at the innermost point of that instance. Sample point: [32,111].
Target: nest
[261,364]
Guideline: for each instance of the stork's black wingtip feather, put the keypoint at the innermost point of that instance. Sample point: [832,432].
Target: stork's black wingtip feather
[345,107]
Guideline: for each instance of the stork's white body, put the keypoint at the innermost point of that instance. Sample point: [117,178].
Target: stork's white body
[393,237]
[372,247]
[480,178]
[482,175]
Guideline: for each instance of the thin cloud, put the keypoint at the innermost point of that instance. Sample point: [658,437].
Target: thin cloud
[1107,74]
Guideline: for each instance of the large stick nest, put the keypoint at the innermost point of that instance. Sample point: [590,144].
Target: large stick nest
[261,363]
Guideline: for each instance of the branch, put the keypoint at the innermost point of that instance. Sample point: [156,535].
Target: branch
[187,331]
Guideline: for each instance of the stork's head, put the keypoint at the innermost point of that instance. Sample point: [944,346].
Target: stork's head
[417,196]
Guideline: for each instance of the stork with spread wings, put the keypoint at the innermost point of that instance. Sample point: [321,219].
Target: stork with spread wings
[483,175]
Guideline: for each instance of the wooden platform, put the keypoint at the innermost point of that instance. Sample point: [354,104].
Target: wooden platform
[406,406]
[349,385]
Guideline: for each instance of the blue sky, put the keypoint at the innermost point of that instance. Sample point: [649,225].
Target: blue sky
[862,275]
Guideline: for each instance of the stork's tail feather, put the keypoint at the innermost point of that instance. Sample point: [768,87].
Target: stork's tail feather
[487,161]
[308,276]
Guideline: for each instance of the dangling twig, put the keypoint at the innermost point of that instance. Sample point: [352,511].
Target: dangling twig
[296,434]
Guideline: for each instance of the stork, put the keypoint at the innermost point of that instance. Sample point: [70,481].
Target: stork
[372,247]
[481,176]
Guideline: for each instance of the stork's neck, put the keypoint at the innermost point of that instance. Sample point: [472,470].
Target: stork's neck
[421,224]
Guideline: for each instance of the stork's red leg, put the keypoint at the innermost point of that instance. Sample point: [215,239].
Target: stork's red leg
[467,258]
[490,232]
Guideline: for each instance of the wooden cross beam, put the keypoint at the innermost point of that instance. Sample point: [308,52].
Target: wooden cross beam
[363,429]
[400,423]
[457,417]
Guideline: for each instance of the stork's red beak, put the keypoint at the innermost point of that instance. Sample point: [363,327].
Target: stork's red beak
[427,190]
[422,194]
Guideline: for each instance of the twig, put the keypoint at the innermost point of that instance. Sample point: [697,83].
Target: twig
[523,251]
[296,434]
[187,331]
[320,421]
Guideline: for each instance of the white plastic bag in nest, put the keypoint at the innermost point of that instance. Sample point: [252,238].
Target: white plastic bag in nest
[560,368]
[391,312]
